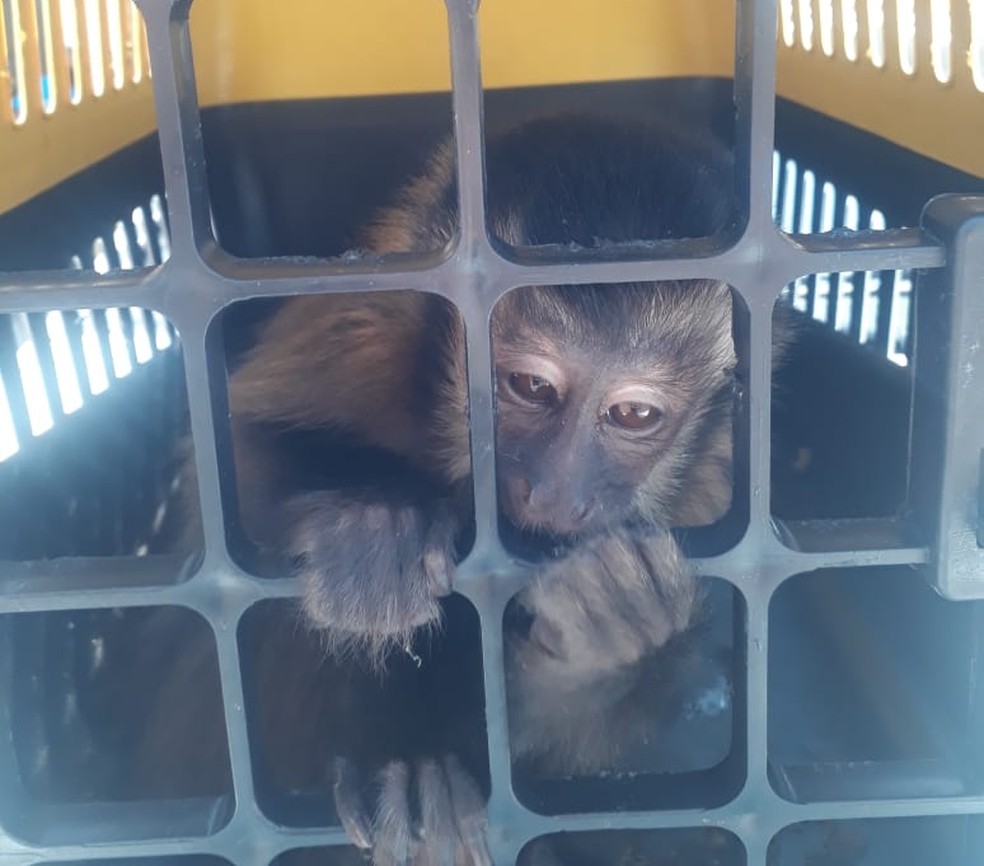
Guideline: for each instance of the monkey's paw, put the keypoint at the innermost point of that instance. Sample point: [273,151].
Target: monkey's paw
[609,603]
[372,570]
[430,813]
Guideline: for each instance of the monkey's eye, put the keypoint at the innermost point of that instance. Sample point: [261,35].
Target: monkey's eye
[532,388]
[634,416]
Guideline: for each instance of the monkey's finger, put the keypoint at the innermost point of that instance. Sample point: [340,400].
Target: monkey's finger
[469,812]
[439,838]
[347,787]
[393,827]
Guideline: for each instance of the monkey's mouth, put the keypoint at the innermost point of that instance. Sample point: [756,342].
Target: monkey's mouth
[539,542]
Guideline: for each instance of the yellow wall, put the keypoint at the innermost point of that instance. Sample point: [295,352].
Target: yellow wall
[944,121]
[248,50]
[41,146]
[305,48]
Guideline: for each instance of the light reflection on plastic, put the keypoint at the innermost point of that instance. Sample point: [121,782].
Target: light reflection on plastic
[70,39]
[977,43]
[871,298]
[15,60]
[93,35]
[115,29]
[807,199]
[118,349]
[806,24]
[845,281]
[808,186]
[91,351]
[135,39]
[852,212]
[905,11]
[876,32]
[824,303]
[121,243]
[786,20]
[38,410]
[157,216]
[100,258]
[941,44]
[162,332]
[142,349]
[849,24]
[139,218]
[61,352]
[8,436]
[828,201]
[827,27]
[46,43]
[776,165]
[789,196]
[898,325]
[833,299]
[150,332]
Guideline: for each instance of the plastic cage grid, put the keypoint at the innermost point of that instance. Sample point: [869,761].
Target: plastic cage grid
[942,534]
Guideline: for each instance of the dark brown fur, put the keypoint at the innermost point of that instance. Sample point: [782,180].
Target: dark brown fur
[387,372]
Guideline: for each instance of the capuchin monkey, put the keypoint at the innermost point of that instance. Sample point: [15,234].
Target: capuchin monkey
[614,423]
[613,402]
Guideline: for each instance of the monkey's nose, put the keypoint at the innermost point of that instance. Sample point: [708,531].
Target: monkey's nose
[551,507]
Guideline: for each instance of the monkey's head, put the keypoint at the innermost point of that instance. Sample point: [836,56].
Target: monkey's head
[608,400]
[613,401]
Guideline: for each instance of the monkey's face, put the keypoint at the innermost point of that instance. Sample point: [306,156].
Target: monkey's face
[602,397]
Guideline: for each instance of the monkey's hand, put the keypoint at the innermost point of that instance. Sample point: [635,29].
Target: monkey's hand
[596,665]
[428,813]
[373,568]
[610,602]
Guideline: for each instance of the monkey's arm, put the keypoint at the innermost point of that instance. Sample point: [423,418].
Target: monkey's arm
[385,369]
[384,375]
[596,670]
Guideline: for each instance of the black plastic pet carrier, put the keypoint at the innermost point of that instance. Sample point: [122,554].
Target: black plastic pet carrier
[169,171]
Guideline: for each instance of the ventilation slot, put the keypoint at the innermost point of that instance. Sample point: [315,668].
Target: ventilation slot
[941,41]
[850,27]
[9,445]
[977,43]
[905,11]
[873,307]
[804,24]
[56,52]
[876,32]
[13,57]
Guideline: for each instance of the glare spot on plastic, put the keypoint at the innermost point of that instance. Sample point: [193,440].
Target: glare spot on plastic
[38,408]
[68,380]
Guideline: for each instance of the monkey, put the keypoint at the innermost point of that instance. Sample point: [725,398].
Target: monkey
[387,372]
[614,410]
